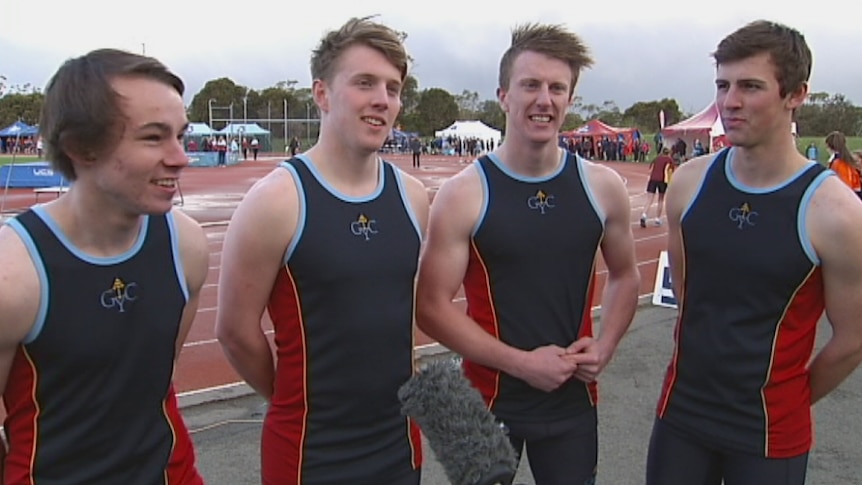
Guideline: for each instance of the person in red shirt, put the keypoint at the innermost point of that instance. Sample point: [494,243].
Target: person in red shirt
[660,171]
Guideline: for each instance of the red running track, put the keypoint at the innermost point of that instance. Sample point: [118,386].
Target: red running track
[211,194]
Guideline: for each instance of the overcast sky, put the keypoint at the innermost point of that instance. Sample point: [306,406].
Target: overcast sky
[643,50]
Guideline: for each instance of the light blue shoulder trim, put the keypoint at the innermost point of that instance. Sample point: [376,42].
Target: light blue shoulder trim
[44,291]
[523,178]
[579,166]
[405,199]
[801,217]
[95,260]
[300,220]
[735,183]
[332,190]
[483,179]
[700,185]
[175,249]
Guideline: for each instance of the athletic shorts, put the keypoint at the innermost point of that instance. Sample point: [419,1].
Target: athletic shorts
[656,185]
[677,459]
[563,451]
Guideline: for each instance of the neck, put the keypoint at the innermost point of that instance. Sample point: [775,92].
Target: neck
[350,172]
[93,224]
[530,159]
[767,164]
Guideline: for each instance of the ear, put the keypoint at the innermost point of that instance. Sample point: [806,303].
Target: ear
[797,98]
[501,96]
[320,94]
[79,155]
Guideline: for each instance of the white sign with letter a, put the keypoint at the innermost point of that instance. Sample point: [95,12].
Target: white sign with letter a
[663,292]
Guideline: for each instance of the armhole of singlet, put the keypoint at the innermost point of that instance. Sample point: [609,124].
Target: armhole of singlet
[300,219]
[405,199]
[700,184]
[802,216]
[44,292]
[483,180]
[175,249]
[579,166]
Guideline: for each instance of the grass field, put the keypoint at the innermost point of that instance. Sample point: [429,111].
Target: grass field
[4,159]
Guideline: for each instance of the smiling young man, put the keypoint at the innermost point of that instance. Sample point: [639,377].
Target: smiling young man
[758,241]
[521,229]
[329,243]
[99,288]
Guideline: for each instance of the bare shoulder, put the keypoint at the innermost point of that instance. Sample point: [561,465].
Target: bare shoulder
[465,187]
[269,195]
[692,171]
[19,288]
[834,219]
[267,216]
[190,231]
[414,187]
[601,176]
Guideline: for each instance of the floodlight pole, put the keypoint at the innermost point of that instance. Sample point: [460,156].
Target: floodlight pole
[210,106]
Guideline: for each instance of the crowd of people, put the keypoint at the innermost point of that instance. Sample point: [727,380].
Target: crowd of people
[344,250]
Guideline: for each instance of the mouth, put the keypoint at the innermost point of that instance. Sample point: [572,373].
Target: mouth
[169,183]
[540,118]
[378,122]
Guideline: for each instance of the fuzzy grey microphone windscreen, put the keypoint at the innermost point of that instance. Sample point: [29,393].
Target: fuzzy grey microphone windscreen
[468,442]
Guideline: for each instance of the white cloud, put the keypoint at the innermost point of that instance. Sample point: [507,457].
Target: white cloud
[644,50]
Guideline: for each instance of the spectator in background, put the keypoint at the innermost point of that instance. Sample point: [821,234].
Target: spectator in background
[844,163]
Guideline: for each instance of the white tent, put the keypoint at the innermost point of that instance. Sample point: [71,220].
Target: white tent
[470,129]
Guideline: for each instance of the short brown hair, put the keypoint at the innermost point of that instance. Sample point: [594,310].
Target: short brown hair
[82,113]
[361,31]
[786,48]
[551,40]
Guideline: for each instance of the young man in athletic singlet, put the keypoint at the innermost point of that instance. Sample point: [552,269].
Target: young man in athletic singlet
[98,289]
[328,244]
[759,243]
[520,229]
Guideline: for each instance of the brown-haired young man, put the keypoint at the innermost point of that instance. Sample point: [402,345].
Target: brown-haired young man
[99,288]
[329,243]
[520,230]
[758,243]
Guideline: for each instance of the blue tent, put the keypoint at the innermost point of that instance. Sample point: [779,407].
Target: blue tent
[19,128]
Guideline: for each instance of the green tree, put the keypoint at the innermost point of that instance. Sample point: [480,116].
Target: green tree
[824,112]
[572,121]
[24,106]
[436,109]
[409,100]
[468,105]
[491,113]
[645,114]
[227,102]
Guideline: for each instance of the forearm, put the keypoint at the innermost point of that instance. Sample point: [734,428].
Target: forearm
[252,360]
[451,327]
[619,303]
[835,361]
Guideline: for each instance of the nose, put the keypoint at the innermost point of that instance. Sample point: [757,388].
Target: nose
[380,97]
[544,96]
[729,98]
[176,155]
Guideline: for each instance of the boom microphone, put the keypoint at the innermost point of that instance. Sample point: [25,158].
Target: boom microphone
[468,442]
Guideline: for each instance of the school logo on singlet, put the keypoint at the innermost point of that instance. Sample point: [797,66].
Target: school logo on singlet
[119,295]
[364,227]
[541,202]
[743,216]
